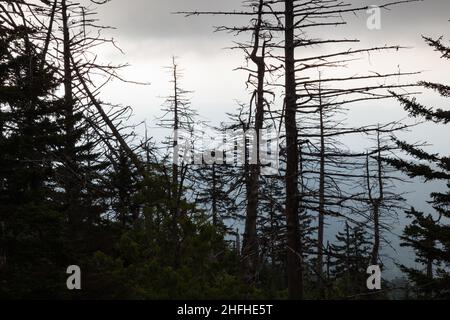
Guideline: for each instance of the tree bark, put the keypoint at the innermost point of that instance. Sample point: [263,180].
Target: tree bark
[250,251]
[72,191]
[294,254]
[214,197]
[376,205]
[321,224]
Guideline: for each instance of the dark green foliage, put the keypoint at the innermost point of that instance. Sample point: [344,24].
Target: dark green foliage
[214,192]
[350,259]
[141,266]
[123,188]
[32,232]
[429,235]
[430,240]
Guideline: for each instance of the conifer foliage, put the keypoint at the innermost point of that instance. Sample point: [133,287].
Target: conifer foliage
[429,233]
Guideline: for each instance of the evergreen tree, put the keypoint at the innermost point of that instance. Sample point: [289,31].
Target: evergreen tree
[32,229]
[351,257]
[428,235]
[213,192]
[124,190]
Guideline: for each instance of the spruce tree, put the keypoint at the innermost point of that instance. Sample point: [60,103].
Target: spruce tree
[429,234]
[31,234]
[351,257]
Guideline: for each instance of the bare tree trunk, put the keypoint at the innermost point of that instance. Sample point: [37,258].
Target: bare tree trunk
[68,90]
[347,259]
[176,188]
[250,251]
[294,253]
[272,236]
[238,242]
[321,225]
[430,276]
[328,267]
[376,225]
[49,34]
[214,197]
[176,127]
[72,191]
[376,203]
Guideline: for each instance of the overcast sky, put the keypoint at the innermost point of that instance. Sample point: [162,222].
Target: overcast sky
[150,34]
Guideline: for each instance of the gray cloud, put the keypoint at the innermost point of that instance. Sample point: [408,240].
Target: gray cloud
[155,18]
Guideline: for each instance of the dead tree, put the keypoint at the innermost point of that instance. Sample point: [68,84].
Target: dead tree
[288,21]
[382,199]
[250,251]
[179,117]
[375,203]
[256,52]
